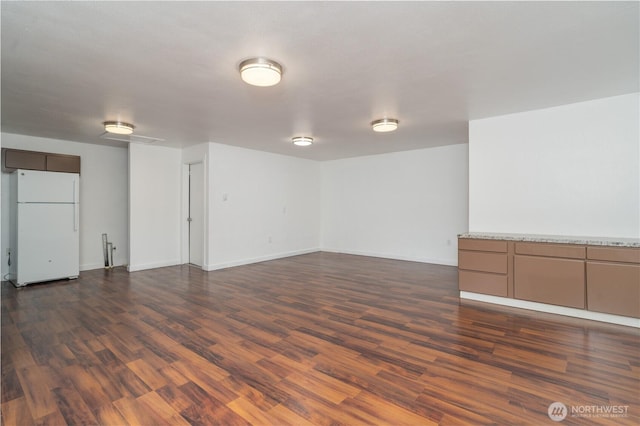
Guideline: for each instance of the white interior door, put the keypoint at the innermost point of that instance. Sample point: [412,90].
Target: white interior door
[196,214]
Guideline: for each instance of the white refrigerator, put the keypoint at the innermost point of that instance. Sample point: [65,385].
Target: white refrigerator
[46,226]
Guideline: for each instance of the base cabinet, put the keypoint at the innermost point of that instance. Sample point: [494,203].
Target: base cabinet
[613,288]
[483,267]
[613,280]
[596,278]
[549,280]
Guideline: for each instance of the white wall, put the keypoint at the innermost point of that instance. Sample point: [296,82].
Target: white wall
[568,170]
[103,196]
[406,205]
[261,206]
[154,206]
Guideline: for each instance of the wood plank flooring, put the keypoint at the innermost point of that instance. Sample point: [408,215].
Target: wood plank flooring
[319,339]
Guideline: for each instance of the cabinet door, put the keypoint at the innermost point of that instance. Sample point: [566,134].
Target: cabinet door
[550,280]
[18,159]
[613,288]
[63,163]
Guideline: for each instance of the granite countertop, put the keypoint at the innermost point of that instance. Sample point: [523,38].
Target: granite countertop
[562,239]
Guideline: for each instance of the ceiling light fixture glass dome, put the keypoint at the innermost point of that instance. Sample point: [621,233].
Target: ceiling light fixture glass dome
[260,72]
[118,127]
[302,140]
[385,125]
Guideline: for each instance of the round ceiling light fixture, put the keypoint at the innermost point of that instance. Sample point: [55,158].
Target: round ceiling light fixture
[261,72]
[302,140]
[384,125]
[118,127]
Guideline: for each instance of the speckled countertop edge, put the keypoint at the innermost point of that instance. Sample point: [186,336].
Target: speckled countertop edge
[561,239]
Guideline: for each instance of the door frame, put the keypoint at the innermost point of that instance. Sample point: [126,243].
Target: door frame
[184,213]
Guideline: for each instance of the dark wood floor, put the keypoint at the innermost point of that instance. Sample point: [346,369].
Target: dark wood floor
[317,339]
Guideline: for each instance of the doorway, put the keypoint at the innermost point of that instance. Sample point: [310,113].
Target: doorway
[195,217]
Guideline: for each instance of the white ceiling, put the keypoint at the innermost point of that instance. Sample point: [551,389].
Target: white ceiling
[171,68]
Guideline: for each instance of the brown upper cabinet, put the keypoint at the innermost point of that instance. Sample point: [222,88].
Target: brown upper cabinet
[13,159]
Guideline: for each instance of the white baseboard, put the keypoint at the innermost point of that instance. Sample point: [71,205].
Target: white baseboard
[94,266]
[91,266]
[153,265]
[552,309]
[447,262]
[258,259]
[248,261]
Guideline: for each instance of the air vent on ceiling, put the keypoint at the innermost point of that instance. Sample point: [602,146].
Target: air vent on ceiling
[130,138]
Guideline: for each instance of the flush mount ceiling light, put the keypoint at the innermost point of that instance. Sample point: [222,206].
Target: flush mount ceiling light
[302,140]
[261,72]
[384,125]
[118,127]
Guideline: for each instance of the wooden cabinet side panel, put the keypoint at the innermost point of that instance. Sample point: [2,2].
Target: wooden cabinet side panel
[548,280]
[485,262]
[482,282]
[613,288]
[551,250]
[614,254]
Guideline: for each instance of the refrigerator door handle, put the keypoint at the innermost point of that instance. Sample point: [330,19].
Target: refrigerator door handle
[76,207]
[76,216]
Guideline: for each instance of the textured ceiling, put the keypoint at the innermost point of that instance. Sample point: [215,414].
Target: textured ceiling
[171,68]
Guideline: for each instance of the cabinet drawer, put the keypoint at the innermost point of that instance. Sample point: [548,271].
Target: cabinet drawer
[613,288]
[547,280]
[484,262]
[481,282]
[614,254]
[482,245]
[551,250]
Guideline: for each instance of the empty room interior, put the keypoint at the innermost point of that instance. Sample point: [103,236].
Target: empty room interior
[320,213]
